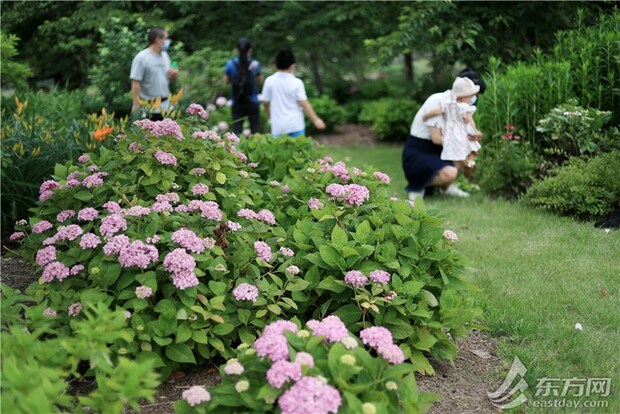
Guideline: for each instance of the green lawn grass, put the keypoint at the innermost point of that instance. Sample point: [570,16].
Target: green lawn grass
[538,275]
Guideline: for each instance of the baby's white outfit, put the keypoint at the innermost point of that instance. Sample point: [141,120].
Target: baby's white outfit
[456,145]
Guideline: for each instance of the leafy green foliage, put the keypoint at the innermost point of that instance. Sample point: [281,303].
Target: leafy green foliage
[571,130]
[120,42]
[13,72]
[508,167]
[37,133]
[583,188]
[389,118]
[201,75]
[40,353]
[196,323]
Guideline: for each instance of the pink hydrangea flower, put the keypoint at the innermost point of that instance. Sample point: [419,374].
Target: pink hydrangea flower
[50,312]
[153,240]
[221,101]
[84,158]
[198,171]
[200,189]
[55,270]
[376,336]
[70,232]
[143,292]
[391,295]
[233,368]
[196,395]
[76,269]
[188,240]
[274,347]
[138,211]
[233,226]
[210,135]
[222,126]
[87,214]
[112,224]
[332,328]
[89,241]
[182,266]
[196,109]
[42,226]
[48,185]
[310,395]
[246,213]
[292,269]
[282,372]
[266,216]
[287,252]
[168,197]
[355,278]
[263,251]
[340,170]
[112,207]
[315,204]
[64,215]
[161,128]
[161,207]
[138,254]
[75,309]
[134,147]
[46,255]
[391,353]
[94,180]
[165,158]
[208,243]
[382,177]
[17,235]
[245,291]
[286,189]
[380,276]
[279,327]
[450,236]
[305,358]
[115,245]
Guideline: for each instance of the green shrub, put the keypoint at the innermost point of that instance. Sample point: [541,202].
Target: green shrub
[583,188]
[40,355]
[201,75]
[294,243]
[571,130]
[12,72]
[389,118]
[356,380]
[329,111]
[583,65]
[508,167]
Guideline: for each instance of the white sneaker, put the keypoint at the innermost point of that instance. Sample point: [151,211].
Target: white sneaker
[415,194]
[454,191]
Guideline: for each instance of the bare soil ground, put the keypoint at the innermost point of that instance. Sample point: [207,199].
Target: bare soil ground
[349,135]
[463,386]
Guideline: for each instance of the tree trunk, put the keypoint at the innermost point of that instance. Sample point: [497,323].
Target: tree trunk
[436,71]
[314,67]
[408,61]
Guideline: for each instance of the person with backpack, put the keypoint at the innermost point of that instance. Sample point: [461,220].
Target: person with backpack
[243,73]
[285,101]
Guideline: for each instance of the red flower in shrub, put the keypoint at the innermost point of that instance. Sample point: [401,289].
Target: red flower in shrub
[510,127]
[507,137]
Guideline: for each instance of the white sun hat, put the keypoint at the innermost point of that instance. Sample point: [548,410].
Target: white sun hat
[463,87]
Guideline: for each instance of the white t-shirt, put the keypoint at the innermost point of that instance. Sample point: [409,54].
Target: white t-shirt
[151,70]
[421,129]
[283,91]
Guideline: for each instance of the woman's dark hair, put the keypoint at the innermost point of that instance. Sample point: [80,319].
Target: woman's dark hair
[243,46]
[154,34]
[285,59]
[474,77]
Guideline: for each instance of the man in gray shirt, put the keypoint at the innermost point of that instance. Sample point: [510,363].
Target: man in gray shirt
[151,73]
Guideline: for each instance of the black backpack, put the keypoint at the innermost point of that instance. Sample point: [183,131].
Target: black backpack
[242,85]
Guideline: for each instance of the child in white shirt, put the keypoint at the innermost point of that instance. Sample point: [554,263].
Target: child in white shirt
[459,133]
[284,98]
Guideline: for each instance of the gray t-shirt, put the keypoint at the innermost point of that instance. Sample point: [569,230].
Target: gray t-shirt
[151,70]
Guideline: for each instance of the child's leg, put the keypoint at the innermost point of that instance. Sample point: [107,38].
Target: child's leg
[470,165]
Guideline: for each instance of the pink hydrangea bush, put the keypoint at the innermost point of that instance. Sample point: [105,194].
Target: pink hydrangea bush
[307,371]
[189,237]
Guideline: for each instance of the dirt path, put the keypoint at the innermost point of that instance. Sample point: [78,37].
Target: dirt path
[463,387]
[349,135]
